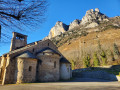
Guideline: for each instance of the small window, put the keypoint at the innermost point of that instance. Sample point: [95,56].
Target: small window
[30,68]
[55,64]
[48,44]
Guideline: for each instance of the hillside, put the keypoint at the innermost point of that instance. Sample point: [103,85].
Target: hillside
[94,40]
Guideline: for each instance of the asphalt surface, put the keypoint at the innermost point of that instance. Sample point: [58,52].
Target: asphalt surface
[75,84]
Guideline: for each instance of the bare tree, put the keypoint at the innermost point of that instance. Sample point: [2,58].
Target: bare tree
[20,14]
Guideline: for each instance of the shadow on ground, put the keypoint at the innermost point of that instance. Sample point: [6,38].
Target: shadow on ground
[88,80]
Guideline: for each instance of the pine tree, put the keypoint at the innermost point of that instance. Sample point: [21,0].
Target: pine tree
[72,64]
[103,57]
[87,61]
[96,60]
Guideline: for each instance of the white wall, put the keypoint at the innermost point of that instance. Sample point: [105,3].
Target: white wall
[65,71]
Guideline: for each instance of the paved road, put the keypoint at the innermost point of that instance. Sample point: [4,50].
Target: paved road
[76,84]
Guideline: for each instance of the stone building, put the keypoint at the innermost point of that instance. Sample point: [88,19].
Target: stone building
[37,61]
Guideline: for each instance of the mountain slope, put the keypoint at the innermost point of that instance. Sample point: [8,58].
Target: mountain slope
[94,34]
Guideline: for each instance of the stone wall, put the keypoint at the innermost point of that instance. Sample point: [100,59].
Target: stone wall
[65,71]
[26,70]
[48,70]
[96,74]
[7,70]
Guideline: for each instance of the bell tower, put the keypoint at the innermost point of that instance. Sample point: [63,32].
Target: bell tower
[19,40]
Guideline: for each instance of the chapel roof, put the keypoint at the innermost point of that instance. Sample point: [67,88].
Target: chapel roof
[26,54]
[25,47]
[64,60]
[47,50]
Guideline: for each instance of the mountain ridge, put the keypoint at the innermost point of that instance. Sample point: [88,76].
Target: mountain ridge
[91,19]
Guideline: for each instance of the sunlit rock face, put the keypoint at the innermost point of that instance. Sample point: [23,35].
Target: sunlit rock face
[59,28]
[93,16]
[92,25]
[91,19]
[75,23]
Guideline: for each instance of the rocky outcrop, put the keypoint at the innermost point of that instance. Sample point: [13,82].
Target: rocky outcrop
[93,16]
[59,28]
[75,23]
[90,20]
[92,25]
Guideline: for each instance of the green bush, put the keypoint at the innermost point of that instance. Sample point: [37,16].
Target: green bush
[96,61]
[87,61]
[103,57]
[72,64]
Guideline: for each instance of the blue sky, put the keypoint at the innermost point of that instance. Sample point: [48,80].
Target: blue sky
[67,11]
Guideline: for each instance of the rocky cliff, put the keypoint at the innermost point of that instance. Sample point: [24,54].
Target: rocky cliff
[91,19]
[75,23]
[94,16]
[59,28]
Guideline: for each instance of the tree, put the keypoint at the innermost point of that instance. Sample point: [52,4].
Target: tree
[103,57]
[73,64]
[86,61]
[96,60]
[20,14]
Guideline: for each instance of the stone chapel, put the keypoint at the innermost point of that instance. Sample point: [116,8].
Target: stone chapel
[39,61]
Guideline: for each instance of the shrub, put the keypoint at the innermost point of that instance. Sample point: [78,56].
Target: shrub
[72,64]
[96,60]
[103,57]
[87,61]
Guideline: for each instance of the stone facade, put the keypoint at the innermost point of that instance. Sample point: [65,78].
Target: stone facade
[49,69]
[25,70]
[37,61]
[65,71]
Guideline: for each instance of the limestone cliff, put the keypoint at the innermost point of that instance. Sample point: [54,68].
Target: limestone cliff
[94,16]
[75,23]
[59,28]
[91,19]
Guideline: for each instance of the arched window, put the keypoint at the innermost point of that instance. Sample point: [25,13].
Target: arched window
[30,68]
[55,64]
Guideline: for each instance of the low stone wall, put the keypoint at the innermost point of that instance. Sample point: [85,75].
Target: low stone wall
[97,75]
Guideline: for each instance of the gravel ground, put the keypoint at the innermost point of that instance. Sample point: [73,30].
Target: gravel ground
[75,84]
